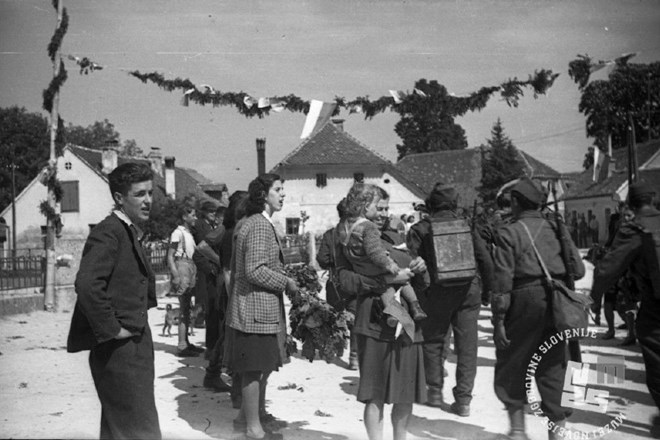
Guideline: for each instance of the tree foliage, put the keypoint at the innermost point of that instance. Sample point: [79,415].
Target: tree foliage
[630,93]
[24,140]
[501,164]
[427,122]
[98,135]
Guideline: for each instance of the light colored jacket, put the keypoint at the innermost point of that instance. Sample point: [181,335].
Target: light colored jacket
[257,304]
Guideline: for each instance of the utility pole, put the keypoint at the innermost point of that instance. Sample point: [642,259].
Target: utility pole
[49,294]
[13,208]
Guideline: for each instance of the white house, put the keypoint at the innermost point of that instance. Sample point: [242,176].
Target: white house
[321,170]
[601,196]
[86,198]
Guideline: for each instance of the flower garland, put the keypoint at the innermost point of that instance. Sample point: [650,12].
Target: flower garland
[321,329]
[510,91]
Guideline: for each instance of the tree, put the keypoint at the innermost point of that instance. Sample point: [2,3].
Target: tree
[427,121]
[501,164]
[630,94]
[98,135]
[23,140]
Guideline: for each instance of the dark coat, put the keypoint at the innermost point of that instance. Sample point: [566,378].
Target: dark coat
[115,286]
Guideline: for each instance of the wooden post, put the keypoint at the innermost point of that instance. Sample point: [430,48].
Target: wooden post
[49,291]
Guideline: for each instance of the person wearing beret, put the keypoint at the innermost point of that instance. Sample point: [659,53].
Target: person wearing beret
[628,254]
[521,318]
[456,305]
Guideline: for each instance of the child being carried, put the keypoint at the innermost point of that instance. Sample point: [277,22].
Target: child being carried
[369,256]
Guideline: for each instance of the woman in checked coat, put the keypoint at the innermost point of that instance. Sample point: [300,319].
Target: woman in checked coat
[256,310]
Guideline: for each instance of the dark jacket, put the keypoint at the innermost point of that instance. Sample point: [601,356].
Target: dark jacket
[626,254]
[115,286]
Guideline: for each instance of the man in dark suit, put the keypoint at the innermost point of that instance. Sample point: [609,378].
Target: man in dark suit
[116,286]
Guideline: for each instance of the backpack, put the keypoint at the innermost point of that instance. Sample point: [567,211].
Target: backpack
[651,253]
[453,248]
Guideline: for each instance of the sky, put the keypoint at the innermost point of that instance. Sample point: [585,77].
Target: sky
[316,49]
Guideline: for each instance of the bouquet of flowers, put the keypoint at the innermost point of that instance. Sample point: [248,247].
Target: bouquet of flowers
[314,322]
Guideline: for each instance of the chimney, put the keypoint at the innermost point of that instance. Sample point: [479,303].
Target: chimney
[109,157]
[170,184]
[156,159]
[261,156]
[339,123]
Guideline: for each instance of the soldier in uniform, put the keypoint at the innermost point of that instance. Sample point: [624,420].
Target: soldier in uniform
[628,253]
[521,318]
[457,305]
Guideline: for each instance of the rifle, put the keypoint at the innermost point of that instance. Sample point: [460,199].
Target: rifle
[564,240]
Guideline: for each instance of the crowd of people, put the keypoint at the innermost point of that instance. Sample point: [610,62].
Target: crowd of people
[406,299]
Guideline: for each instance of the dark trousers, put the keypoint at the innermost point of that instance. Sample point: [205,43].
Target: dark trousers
[528,324]
[212,309]
[123,373]
[458,307]
[648,334]
[215,322]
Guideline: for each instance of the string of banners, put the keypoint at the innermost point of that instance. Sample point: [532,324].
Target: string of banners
[316,110]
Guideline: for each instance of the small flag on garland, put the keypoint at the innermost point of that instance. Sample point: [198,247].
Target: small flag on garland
[249,101]
[186,97]
[277,105]
[263,103]
[319,113]
[398,96]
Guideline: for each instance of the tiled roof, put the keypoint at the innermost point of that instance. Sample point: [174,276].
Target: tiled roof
[462,168]
[184,182]
[585,187]
[537,169]
[330,146]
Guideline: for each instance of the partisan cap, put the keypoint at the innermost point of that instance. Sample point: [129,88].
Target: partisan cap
[442,197]
[530,190]
[208,206]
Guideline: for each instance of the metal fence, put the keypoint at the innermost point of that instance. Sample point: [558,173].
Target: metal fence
[22,269]
[157,254]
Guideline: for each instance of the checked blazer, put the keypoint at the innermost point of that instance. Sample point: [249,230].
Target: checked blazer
[257,304]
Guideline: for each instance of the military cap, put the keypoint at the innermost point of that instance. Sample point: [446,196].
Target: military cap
[530,190]
[639,189]
[208,206]
[442,197]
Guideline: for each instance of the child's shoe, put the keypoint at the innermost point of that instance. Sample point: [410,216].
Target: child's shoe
[416,311]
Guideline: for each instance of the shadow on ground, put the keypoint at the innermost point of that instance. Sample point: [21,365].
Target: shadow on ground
[211,412]
[442,428]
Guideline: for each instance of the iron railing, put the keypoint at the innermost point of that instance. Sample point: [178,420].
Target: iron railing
[25,270]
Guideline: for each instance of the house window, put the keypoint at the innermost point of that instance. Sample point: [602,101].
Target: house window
[67,165]
[321,180]
[292,225]
[70,201]
[358,177]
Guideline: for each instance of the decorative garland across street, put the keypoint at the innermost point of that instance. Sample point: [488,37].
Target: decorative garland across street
[510,91]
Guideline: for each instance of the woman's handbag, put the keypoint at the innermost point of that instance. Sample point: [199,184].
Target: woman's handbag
[570,310]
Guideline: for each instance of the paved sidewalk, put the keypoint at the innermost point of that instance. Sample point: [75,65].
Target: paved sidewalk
[48,393]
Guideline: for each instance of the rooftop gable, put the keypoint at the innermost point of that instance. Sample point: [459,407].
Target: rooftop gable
[460,168]
[332,146]
[585,187]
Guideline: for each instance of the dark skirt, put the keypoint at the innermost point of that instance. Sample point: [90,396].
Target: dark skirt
[254,352]
[390,371]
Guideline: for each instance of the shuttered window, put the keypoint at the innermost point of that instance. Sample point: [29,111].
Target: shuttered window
[70,200]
